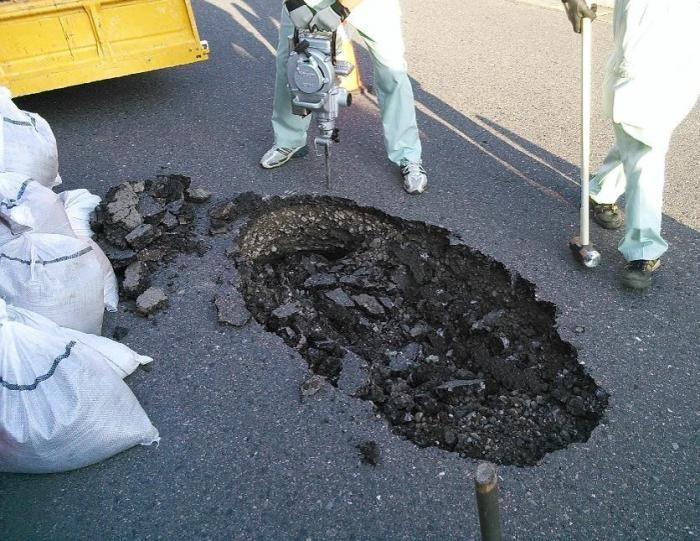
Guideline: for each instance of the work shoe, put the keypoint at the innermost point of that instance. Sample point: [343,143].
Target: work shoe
[637,274]
[415,181]
[278,156]
[607,216]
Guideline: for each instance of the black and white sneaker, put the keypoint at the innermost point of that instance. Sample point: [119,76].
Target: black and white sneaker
[278,156]
[637,274]
[415,181]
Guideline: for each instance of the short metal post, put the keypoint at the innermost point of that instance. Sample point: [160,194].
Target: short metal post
[486,484]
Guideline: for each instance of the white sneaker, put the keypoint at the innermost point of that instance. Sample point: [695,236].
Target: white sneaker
[415,181]
[278,156]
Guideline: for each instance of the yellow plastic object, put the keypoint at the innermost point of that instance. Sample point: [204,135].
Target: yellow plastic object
[49,44]
[352,82]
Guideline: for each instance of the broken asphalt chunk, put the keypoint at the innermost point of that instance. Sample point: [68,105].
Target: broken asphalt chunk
[169,221]
[286,310]
[197,195]
[136,280]
[312,385]
[320,280]
[151,210]
[231,309]
[406,358]
[369,304]
[461,386]
[341,298]
[169,187]
[354,374]
[141,236]
[120,259]
[151,301]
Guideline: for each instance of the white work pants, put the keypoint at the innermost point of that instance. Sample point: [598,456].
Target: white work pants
[653,82]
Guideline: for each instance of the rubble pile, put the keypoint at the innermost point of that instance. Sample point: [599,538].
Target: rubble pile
[451,348]
[140,224]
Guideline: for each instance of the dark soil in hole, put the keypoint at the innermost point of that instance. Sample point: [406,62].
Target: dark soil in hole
[458,351]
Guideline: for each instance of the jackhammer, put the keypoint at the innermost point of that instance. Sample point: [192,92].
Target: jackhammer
[313,74]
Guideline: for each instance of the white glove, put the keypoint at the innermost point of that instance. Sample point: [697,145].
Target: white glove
[330,18]
[300,14]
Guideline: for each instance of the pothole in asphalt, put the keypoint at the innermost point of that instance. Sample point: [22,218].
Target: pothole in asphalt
[453,349]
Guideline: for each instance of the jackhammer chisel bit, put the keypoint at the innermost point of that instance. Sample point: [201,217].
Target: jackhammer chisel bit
[323,150]
[328,166]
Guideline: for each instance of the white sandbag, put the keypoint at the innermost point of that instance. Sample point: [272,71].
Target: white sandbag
[78,205]
[28,144]
[122,359]
[61,406]
[27,204]
[111,286]
[56,276]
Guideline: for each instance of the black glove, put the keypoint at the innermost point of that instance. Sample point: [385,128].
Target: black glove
[330,18]
[300,13]
[576,10]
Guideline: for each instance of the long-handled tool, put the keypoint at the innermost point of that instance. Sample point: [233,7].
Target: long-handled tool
[581,245]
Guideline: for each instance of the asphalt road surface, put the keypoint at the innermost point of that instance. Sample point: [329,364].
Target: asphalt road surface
[241,458]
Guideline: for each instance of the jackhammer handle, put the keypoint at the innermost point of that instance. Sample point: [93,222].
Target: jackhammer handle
[586,53]
[302,47]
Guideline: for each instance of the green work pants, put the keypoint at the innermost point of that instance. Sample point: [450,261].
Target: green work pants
[636,170]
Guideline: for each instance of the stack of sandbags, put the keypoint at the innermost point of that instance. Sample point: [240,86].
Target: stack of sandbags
[63,404]
[44,266]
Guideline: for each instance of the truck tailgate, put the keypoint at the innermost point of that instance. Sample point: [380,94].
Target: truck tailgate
[48,44]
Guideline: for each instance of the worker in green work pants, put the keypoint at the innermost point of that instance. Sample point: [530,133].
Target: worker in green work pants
[378,22]
[653,82]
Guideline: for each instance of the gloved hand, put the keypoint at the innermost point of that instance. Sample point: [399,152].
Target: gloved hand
[300,13]
[577,10]
[330,18]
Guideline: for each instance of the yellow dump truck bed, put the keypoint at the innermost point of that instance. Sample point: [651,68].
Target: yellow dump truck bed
[49,44]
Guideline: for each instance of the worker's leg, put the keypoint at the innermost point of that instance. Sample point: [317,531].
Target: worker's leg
[379,24]
[644,169]
[609,182]
[290,129]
